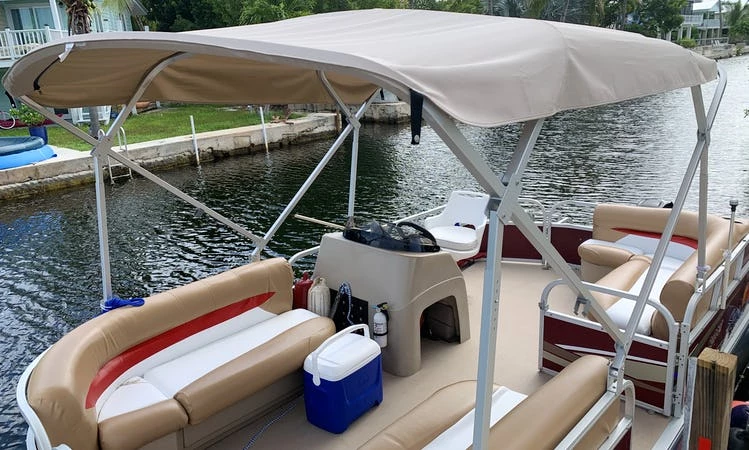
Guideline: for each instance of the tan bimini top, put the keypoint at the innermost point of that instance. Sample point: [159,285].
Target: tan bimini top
[481,70]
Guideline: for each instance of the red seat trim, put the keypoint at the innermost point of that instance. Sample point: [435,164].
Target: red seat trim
[118,365]
[675,238]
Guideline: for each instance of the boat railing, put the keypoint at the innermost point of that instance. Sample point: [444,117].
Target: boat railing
[683,332]
[673,328]
[601,407]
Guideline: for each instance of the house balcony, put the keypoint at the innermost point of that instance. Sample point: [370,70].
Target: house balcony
[692,20]
[710,24]
[16,43]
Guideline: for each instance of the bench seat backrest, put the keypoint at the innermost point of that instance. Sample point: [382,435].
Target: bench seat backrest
[612,222]
[60,388]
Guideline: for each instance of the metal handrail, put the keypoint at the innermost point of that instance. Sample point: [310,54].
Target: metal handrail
[597,411]
[610,291]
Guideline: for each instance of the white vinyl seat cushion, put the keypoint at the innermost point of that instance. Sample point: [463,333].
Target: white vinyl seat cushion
[172,376]
[647,246]
[455,237]
[618,244]
[133,394]
[460,434]
[621,311]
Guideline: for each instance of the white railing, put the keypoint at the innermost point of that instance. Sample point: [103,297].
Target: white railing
[16,43]
[711,23]
[692,19]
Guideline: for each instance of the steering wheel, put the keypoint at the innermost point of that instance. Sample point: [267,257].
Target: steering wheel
[423,231]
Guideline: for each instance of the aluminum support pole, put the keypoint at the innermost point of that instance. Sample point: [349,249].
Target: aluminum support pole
[700,148]
[488,342]
[184,197]
[498,219]
[352,119]
[75,131]
[352,175]
[702,133]
[559,265]
[101,221]
[717,96]
[660,250]
[101,149]
[445,127]
[106,142]
[312,177]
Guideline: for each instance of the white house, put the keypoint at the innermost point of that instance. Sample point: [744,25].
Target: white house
[705,16]
[26,24]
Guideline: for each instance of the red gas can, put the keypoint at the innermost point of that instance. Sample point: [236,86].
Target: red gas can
[301,288]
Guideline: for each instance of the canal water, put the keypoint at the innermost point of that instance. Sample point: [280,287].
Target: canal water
[49,269]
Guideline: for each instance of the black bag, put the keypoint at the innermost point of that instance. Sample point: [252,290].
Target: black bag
[402,236]
[439,323]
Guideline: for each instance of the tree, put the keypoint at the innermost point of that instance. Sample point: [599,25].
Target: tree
[79,15]
[184,15]
[661,16]
[740,31]
[464,6]
[261,11]
[735,16]
[79,22]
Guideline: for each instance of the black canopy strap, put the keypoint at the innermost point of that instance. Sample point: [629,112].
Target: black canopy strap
[12,101]
[417,103]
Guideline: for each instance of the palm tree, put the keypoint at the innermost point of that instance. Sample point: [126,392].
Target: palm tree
[79,15]
[122,7]
[79,22]
[735,14]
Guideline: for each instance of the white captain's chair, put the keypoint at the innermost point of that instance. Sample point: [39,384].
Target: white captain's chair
[459,228]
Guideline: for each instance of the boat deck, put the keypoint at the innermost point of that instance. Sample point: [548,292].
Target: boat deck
[445,363]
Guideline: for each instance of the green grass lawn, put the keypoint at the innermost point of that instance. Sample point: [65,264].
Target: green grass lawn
[168,121]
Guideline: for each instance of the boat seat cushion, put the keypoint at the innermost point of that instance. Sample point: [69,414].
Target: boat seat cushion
[621,310]
[137,428]
[173,375]
[540,421]
[253,370]
[460,434]
[76,377]
[621,278]
[455,237]
[135,393]
[606,253]
[625,228]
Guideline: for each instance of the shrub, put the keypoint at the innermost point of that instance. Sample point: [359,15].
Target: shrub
[687,43]
[28,116]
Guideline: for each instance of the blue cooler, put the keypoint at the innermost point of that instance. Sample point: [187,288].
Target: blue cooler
[342,379]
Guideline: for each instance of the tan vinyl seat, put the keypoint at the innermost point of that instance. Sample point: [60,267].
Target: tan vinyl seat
[606,263]
[540,421]
[74,379]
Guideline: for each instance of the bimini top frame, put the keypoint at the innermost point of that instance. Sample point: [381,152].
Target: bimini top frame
[532,70]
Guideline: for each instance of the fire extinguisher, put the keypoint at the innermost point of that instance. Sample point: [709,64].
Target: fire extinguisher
[301,287]
[380,325]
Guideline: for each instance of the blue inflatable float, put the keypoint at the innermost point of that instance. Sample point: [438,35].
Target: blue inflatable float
[19,151]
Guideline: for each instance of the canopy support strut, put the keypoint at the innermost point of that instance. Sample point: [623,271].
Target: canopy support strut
[353,120]
[312,177]
[103,148]
[499,217]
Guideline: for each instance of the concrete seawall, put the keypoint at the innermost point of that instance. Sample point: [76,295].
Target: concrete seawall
[72,168]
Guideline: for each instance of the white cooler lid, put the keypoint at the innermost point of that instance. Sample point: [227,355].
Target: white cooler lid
[347,354]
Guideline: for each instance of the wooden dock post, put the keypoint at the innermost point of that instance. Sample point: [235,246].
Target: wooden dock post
[713,393]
